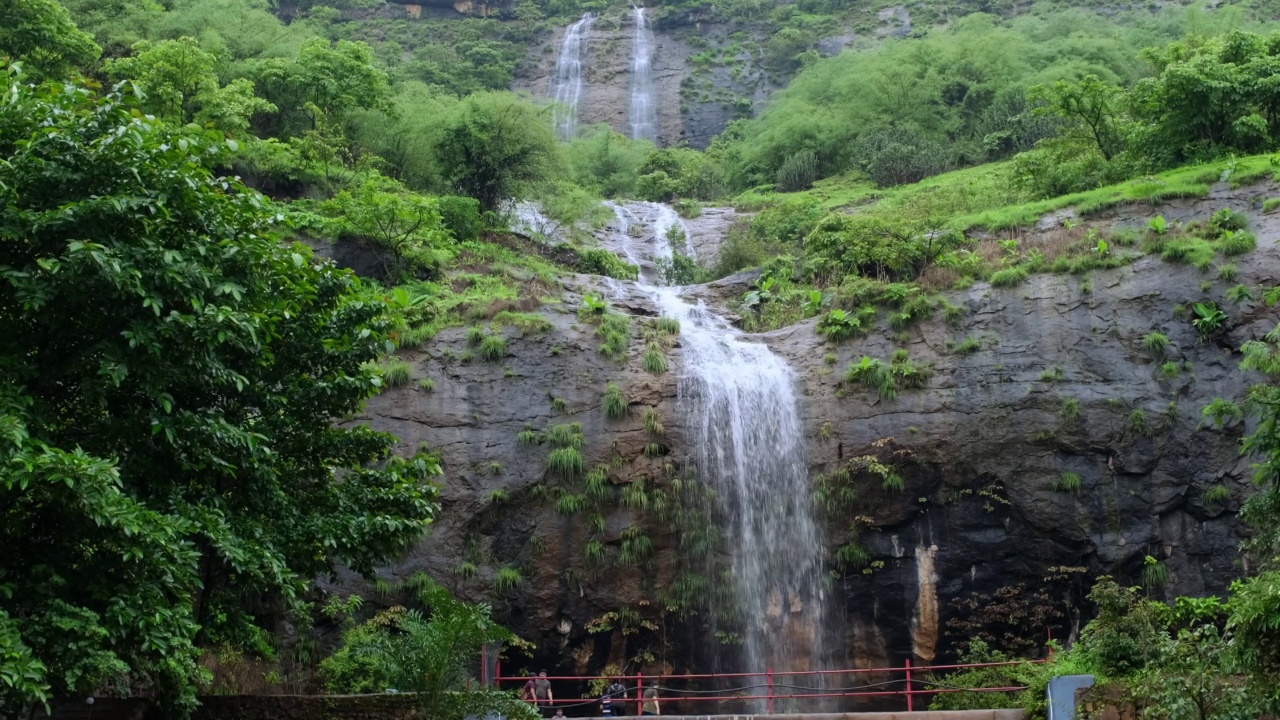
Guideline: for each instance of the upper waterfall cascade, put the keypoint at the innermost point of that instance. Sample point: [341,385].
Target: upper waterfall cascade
[740,405]
[566,85]
[642,115]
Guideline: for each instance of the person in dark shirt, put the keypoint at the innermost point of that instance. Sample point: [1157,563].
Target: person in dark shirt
[542,692]
[614,702]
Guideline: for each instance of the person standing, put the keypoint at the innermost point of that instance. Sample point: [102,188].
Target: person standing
[650,701]
[528,693]
[614,702]
[542,692]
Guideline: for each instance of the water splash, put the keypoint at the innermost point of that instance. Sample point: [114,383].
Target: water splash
[741,408]
[566,84]
[643,113]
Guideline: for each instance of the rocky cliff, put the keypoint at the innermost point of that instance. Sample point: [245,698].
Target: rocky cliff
[1049,446]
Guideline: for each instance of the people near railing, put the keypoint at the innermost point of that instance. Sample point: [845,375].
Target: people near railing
[614,701]
[650,706]
[542,693]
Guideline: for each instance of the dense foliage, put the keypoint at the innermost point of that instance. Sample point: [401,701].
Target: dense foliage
[172,373]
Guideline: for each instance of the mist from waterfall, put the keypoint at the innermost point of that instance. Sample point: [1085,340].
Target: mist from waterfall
[566,84]
[642,114]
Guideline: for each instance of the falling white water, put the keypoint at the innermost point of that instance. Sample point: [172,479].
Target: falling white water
[739,403]
[643,113]
[566,85]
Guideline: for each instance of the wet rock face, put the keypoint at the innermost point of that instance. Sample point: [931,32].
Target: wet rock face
[1060,383]
[693,115]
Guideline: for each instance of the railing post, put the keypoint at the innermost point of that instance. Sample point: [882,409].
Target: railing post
[484,665]
[770,676]
[910,705]
[639,693]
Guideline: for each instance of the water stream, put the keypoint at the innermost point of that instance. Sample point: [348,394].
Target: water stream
[642,114]
[566,84]
[739,402]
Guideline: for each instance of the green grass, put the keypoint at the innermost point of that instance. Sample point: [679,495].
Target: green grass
[565,461]
[1070,410]
[653,422]
[968,346]
[427,385]
[1156,342]
[493,348]
[1053,374]
[1270,204]
[568,435]
[527,437]
[668,326]
[395,373]
[655,361]
[1068,482]
[615,402]
[1237,243]
[526,323]
[1009,277]
[507,580]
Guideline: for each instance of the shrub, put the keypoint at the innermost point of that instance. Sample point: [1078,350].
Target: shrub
[1239,294]
[840,325]
[1158,225]
[1208,318]
[597,261]
[798,172]
[1216,495]
[615,402]
[493,348]
[395,373]
[461,217]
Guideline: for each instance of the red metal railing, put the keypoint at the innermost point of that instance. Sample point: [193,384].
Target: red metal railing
[771,682]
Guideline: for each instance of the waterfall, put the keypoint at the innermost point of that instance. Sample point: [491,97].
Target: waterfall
[643,113]
[739,402]
[566,85]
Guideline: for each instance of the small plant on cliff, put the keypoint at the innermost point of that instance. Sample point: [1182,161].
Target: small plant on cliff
[499,497]
[507,580]
[527,437]
[893,482]
[1236,243]
[1053,374]
[475,335]
[872,373]
[1156,342]
[571,504]
[668,326]
[568,435]
[1208,318]
[1070,410]
[566,462]
[1240,294]
[1138,421]
[1009,277]
[593,305]
[559,404]
[427,385]
[968,346]
[615,402]
[1068,482]
[1222,412]
[1155,574]
[1158,225]
[653,422]
[1216,495]
[655,361]
[840,325]
[395,374]
[1228,273]
[616,331]
[493,348]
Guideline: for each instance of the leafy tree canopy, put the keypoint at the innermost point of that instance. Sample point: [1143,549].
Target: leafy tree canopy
[171,376]
[40,34]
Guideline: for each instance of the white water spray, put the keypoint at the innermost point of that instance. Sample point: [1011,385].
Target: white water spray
[643,113]
[740,405]
[566,85]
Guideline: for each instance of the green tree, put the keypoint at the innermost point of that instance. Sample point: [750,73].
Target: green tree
[323,81]
[406,227]
[495,147]
[180,84]
[428,651]
[1090,111]
[40,35]
[168,456]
